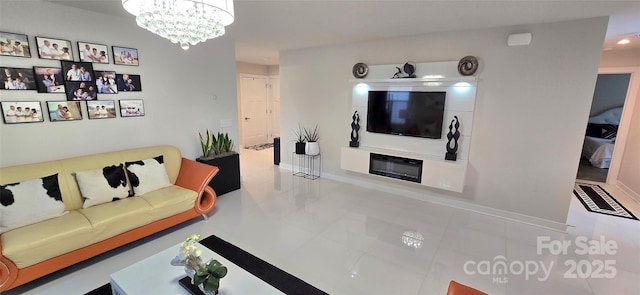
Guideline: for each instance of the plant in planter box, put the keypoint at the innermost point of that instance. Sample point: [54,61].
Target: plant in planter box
[226,159]
[206,143]
[300,146]
[312,136]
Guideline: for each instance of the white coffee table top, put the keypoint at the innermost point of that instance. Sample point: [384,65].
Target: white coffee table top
[154,275]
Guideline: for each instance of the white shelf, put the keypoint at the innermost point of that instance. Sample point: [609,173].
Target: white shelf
[410,80]
[436,171]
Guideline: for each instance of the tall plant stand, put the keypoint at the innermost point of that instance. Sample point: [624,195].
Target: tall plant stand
[306,166]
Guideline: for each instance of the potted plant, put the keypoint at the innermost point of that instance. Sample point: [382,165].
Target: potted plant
[206,276]
[300,146]
[311,137]
[218,151]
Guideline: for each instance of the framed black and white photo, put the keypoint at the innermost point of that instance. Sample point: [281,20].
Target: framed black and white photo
[101,109]
[81,90]
[51,48]
[131,108]
[77,71]
[60,111]
[106,82]
[127,82]
[95,53]
[17,79]
[125,56]
[48,79]
[14,44]
[15,112]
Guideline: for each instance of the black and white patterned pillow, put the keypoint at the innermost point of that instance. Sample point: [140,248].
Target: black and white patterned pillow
[29,202]
[103,185]
[147,175]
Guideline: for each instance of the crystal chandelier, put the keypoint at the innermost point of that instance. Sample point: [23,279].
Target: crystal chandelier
[187,22]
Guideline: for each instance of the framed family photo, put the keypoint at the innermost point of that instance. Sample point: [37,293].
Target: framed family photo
[48,80]
[106,82]
[15,112]
[81,90]
[50,48]
[128,82]
[14,44]
[101,109]
[60,111]
[77,71]
[95,53]
[17,79]
[131,108]
[125,56]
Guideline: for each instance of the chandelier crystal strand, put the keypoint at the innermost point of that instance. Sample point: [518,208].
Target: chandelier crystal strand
[187,22]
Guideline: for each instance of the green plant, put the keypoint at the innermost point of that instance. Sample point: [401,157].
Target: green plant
[206,144]
[209,276]
[299,134]
[311,136]
[222,144]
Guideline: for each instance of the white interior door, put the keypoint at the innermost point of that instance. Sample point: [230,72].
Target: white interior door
[274,108]
[253,95]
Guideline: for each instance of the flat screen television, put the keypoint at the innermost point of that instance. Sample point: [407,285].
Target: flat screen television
[410,113]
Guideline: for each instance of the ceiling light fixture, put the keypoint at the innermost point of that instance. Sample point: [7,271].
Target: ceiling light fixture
[187,22]
[623,41]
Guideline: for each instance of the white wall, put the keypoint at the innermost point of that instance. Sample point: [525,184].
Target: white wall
[531,108]
[178,87]
[629,175]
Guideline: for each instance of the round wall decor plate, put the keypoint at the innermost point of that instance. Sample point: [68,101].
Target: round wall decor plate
[468,65]
[360,70]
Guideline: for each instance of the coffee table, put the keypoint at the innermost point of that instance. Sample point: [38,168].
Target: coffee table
[154,275]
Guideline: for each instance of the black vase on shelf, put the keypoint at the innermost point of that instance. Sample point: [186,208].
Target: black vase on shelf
[300,146]
[454,134]
[355,127]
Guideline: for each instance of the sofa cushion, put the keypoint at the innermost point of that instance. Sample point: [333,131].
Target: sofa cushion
[170,200]
[30,201]
[110,219]
[147,175]
[38,242]
[103,185]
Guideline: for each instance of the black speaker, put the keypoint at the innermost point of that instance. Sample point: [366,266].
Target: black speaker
[276,151]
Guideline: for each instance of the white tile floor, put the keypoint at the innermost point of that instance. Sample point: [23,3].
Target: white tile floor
[346,239]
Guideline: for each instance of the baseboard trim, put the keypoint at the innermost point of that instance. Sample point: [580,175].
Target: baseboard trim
[627,190]
[512,216]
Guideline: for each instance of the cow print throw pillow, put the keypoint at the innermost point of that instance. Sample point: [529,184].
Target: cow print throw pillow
[147,175]
[29,202]
[101,186]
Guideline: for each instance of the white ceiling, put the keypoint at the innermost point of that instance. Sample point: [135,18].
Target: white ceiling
[263,28]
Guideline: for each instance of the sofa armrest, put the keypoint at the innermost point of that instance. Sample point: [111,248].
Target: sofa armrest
[8,270]
[195,176]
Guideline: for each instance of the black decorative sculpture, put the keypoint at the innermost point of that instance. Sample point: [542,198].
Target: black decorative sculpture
[397,74]
[451,154]
[355,127]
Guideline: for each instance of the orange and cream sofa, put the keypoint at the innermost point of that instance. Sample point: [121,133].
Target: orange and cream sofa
[35,250]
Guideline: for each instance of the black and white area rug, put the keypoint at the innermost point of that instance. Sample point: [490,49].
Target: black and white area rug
[259,147]
[596,199]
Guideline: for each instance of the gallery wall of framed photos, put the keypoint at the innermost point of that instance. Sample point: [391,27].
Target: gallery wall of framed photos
[70,83]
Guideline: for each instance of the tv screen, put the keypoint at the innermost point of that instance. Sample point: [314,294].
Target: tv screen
[410,113]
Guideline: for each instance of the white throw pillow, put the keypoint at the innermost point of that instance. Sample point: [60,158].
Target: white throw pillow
[147,175]
[29,202]
[102,185]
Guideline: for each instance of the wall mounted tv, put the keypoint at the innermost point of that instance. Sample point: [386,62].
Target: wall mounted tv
[410,113]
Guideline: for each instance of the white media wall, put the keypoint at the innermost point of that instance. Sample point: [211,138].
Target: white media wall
[183,91]
[532,104]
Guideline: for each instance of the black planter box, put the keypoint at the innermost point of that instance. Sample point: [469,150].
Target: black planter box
[228,178]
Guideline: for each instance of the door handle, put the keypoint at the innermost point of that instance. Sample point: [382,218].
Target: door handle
[247,118]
